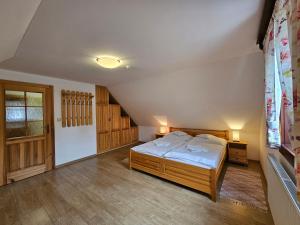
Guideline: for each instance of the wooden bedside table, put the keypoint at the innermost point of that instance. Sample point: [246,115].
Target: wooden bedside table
[237,152]
[159,135]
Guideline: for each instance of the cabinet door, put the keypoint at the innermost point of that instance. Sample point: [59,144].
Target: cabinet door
[126,137]
[103,142]
[125,122]
[102,95]
[115,116]
[103,118]
[134,134]
[115,141]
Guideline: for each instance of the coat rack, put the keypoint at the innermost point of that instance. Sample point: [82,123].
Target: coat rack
[76,108]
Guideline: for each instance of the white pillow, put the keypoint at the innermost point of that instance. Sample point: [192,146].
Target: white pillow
[179,133]
[212,139]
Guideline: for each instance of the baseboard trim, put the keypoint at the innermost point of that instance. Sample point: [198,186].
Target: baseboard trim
[75,161]
[91,156]
[118,148]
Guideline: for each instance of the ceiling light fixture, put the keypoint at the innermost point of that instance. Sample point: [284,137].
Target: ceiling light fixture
[109,62]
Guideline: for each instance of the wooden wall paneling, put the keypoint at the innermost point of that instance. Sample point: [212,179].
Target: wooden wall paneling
[90,109]
[86,108]
[2,138]
[73,101]
[69,108]
[115,115]
[63,108]
[82,101]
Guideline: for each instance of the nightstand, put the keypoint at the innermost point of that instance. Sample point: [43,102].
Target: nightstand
[237,152]
[159,135]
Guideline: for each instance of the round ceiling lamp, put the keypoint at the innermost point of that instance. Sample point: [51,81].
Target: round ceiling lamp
[109,62]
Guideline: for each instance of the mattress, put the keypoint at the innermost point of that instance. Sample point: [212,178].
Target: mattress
[207,159]
[151,148]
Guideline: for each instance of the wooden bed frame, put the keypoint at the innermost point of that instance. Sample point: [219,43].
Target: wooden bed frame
[201,179]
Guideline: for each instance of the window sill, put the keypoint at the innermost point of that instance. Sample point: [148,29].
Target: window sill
[287,152]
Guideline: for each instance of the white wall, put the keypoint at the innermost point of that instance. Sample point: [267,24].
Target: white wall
[224,95]
[15,16]
[147,133]
[73,142]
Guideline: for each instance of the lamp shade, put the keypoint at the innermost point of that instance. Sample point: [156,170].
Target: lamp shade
[109,62]
[236,135]
[163,129]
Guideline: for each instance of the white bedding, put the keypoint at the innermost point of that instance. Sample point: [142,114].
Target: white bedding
[209,158]
[151,148]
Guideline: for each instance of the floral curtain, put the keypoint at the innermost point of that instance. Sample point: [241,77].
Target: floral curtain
[283,75]
[294,23]
[272,90]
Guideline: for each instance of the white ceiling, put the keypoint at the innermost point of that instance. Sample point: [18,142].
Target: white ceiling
[153,37]
[15,16]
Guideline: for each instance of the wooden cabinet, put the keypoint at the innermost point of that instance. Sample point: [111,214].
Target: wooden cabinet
[115,128]
[237,152]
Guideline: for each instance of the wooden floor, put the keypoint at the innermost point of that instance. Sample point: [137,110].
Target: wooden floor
[103,191]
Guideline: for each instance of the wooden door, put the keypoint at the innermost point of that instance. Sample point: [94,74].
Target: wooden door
[28,129]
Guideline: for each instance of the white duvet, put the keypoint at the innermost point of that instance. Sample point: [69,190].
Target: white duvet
[152,148]
[208,155]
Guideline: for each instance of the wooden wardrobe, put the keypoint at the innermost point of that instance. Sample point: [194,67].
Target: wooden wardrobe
[115,128]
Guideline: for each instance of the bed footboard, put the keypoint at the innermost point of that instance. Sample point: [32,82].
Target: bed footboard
[201,179]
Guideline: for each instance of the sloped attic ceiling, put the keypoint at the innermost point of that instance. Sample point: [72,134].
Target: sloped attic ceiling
[193,63]
[153,37]
[15,16]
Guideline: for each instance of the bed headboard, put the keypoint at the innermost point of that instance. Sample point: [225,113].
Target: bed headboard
[193,132]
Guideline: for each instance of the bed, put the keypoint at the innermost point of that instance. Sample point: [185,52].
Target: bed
[165,163]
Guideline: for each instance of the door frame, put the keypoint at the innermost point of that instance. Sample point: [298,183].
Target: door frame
[49,96]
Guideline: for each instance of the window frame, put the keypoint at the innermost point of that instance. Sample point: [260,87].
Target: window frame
[285,148]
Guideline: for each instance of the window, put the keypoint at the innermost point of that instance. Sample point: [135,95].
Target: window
[24,114]
[286,148]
